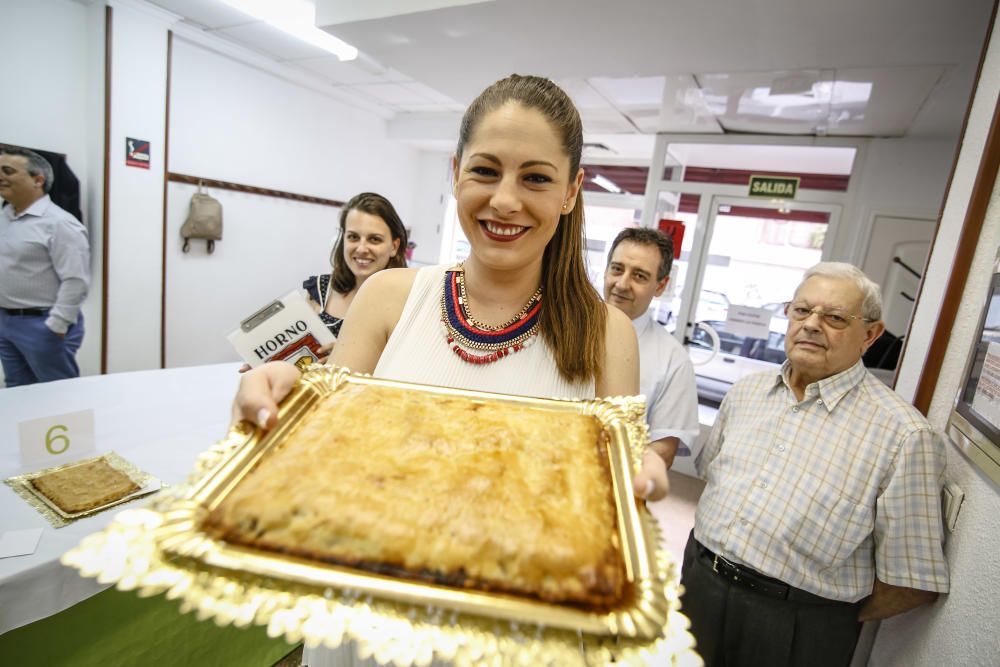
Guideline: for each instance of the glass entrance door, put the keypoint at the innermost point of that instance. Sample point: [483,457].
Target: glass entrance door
[677,216]
[753,257]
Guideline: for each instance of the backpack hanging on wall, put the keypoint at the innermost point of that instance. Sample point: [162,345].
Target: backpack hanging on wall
[204,221]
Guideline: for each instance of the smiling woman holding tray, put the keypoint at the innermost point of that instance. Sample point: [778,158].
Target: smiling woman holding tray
[519,316]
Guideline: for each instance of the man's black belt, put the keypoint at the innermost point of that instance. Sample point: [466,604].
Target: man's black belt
[744,576]
[753,580]
[34,312]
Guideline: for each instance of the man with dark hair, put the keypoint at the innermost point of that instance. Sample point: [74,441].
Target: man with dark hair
[44,274]
[638,270]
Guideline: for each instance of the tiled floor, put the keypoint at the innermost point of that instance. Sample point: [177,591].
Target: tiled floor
[676,512]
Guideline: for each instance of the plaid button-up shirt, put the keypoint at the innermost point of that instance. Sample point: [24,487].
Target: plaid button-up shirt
[827,492]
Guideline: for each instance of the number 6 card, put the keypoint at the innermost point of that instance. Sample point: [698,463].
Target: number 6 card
[57,439]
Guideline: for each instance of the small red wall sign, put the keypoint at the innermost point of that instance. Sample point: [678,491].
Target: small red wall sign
[136,153]
[675,230]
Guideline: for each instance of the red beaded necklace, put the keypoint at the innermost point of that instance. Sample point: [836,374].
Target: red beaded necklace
[478,343]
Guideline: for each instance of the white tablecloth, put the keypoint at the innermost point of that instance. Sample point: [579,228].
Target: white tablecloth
[159,420]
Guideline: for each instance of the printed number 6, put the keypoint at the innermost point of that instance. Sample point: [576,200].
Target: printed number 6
[52,443]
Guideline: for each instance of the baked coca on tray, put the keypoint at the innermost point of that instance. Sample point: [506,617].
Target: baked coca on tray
[447,489]
[84,487]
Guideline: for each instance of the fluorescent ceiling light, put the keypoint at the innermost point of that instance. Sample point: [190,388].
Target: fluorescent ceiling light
[606,183]
[795,83]
[855,93]
[298,19]
[846,93]
[352,11]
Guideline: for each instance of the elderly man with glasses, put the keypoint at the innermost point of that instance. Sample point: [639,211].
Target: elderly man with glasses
[822,500]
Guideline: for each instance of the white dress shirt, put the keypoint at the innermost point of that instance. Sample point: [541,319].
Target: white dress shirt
[666,378]
[44,262]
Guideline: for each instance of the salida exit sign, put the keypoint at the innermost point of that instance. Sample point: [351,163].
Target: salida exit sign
[781,187]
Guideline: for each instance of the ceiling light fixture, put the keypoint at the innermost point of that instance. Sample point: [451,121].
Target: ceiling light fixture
[606,183]
[298,19]
[796,83]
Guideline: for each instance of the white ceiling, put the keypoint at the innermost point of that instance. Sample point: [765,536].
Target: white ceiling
[638,67]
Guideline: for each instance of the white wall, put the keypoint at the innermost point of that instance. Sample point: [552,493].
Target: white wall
[135,204]
[433,189]
[939,266]
[45,82]
[51,88]
[961,628]
[235,123]
[269,247]
[902,178]
[232,122]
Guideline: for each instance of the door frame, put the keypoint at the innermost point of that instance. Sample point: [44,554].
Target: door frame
[837,204]
[697,263]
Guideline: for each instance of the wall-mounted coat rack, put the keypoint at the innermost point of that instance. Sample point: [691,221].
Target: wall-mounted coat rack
[251,189]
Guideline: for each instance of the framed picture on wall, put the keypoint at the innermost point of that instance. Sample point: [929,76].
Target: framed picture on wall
[974,425]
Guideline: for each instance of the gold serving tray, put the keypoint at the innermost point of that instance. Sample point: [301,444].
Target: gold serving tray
[57,516]
[394,620]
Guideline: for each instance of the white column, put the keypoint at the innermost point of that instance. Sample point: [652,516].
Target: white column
[135,199]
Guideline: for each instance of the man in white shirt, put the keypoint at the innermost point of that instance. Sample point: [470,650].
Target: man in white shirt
[44,274]
[638,270]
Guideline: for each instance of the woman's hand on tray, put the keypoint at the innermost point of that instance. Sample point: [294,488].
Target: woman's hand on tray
[651,481]
[261,389]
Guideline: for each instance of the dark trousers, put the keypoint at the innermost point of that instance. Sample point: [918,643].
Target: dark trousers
[737,627]
[31,353]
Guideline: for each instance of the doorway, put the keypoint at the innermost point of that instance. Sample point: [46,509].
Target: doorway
[752,256]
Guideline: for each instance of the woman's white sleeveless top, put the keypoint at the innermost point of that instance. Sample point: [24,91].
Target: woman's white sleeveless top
[417,351]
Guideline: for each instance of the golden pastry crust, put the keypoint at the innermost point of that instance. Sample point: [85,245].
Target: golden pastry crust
[447,489]
[85,487]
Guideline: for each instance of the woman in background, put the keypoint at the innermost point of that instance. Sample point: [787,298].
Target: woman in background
[372,238]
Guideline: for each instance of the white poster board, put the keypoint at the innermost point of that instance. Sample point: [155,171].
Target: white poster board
[748,322]
[286,329]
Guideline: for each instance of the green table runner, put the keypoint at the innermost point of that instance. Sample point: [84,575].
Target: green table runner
[114,628]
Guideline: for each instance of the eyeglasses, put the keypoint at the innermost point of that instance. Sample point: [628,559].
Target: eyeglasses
[798,311]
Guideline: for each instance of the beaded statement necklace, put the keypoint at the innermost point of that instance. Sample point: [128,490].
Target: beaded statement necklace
[478,343]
